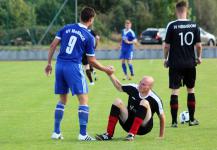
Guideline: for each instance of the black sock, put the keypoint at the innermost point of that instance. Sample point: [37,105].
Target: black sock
[174,107]
[88,72]
[115,111]
[91,68]
[141,112]
[191,105]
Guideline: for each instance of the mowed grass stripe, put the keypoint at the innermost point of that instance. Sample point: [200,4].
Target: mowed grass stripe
[27,105]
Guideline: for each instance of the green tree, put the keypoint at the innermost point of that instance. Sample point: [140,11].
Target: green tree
[46,10]
[206,15]
[16,13]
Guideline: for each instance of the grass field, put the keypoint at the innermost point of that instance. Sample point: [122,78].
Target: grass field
[27,105]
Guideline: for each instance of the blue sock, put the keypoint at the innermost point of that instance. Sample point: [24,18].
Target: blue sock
[131,69]
[124,68]
[83,113]
[58,115]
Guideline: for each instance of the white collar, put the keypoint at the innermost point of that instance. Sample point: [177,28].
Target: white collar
[126,31]
[182,19]
[143,97]
[82,25]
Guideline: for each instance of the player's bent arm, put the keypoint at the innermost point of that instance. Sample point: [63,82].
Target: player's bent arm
[48,68]
[199,52]
[52,49]
[131,42]
[162,125]
[92,60]
[116,83]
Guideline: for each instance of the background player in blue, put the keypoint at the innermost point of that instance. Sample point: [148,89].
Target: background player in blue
[181,39]
[75,39]
[128,39]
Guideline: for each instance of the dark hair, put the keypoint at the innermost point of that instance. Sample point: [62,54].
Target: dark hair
[87,13]
[181,5]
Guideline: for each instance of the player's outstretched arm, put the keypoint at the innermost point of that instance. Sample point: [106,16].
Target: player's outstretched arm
[107,69]
[162,125]
[53,46]
[116,82]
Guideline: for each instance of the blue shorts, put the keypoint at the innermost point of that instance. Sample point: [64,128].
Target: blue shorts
[70,76]
[126,55]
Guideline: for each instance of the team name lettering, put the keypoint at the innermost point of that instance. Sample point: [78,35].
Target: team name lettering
[76,32]
[184,26]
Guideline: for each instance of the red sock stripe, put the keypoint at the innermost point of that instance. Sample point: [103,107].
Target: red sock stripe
[174,106]
[112,121]
[191,104]
[136,124]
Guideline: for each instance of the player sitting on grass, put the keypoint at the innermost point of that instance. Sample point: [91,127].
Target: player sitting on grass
[137,117]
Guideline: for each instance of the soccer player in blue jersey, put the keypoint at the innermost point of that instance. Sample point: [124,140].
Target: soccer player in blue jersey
[75,39]
[128,39]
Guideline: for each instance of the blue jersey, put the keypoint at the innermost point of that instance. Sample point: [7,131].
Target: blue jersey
[75,40]
[130,36]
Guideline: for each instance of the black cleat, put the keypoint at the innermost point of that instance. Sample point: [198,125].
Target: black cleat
[129,137]
[103,137]
[193,123]
[174,125]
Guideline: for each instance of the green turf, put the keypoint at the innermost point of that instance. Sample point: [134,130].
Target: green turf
[27,105]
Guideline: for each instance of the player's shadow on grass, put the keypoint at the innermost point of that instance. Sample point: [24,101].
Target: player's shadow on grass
[75,140]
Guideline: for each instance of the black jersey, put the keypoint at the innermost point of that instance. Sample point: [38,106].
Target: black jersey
[135,98]
[182,35]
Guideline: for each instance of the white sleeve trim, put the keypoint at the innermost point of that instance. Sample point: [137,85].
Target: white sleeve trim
[160,106]
[90,54]
[57,37]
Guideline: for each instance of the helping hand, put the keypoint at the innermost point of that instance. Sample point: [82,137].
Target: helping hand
[110,70]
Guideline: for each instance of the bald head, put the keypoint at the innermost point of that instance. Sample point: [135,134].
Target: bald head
[148,80]
[146,84]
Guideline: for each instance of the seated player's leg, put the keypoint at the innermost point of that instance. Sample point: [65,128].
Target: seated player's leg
[189,81]
[118,111]
[142,117]
[175,79]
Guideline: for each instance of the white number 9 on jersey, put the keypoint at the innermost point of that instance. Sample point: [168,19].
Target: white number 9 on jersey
[71,44]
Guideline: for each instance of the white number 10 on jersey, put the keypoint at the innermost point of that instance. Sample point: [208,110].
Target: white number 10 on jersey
[71,44]
[184,38]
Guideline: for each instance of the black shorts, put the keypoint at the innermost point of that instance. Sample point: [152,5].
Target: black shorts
[142,129]
[180,77]
[84,60]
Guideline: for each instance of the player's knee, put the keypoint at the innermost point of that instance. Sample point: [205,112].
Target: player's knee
[63,98]
[175,91]
[145,103]
[190,90]
[118,102]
